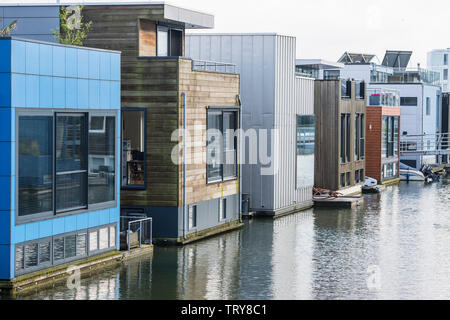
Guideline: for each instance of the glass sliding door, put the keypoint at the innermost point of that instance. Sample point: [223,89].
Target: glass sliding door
[35,164]
[214,147]
[71,161]
[101,177]
[230,145]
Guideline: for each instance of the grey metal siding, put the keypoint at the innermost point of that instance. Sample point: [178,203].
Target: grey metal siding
[294,96]
[272,96]
[254,56]
[35,22]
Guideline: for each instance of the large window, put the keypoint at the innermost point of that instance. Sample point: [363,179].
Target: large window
[389,146]
[305,150]
[35,164]
[56,153]
[102,148]
[169,42]
[345,138]
[221,145]
[133,149]
[71,162]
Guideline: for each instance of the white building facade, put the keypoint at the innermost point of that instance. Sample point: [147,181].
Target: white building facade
[276,103]
[438,61]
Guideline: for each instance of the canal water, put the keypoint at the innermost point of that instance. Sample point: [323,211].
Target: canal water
[394,246]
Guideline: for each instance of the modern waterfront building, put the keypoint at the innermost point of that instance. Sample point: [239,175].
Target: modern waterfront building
[438,62]
[383,135]
[340,110]
[60,138]
[420,99]
[190,187]
[188,194]
[362,67]
[278,109]
[318,69]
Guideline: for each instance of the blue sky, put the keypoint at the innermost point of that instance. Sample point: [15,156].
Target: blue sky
[326,28]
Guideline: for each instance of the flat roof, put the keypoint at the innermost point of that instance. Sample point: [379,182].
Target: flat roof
[57,44]
[192,19]
[320,63]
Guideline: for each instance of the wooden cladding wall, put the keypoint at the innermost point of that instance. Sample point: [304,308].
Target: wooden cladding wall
[156,85]
[328,107]
[147,38]
[202,89]
[373,142]
[326,110]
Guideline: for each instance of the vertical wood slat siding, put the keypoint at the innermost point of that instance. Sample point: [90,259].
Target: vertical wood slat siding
[326,100]
[328,109]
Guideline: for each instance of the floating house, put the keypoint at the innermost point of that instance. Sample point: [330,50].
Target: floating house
[383,135]
[164,95]
[190,187]
[60,139]
[340,110]
[277,118]
[420,100]
[438,62]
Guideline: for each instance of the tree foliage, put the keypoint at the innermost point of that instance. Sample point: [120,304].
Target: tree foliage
[73,30]
[4,32]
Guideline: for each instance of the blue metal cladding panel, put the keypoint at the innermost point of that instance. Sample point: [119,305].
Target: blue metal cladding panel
[5,92]
[5,56]
[18,89]
[59,92]
[5,126]
[5,262]
[18,61]
[71,62]
[45,92]
[59,61]
[32,91]
[32,58]
[50,76]
[5,192]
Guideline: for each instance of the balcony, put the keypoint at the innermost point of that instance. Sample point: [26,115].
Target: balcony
[212,66]
[415,75]
[383,97]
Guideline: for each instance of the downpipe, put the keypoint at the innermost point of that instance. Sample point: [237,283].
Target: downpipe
[183,94]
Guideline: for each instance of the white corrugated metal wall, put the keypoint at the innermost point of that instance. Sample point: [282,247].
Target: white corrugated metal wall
[272,97]
[254,57]
[294,96]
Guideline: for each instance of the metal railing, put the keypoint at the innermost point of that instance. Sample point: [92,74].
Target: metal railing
[212,66]
[136,231]
[383,97]
[429,144]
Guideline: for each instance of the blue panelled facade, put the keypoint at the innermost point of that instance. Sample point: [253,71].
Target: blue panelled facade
[59,154]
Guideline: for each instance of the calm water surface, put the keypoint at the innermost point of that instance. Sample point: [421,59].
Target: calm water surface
[402,234]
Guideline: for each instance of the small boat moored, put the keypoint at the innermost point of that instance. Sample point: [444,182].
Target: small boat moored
[408,173]
[370,186]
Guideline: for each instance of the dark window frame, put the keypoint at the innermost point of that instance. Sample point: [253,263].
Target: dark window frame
[134,187]
[53,214]
[169,28]
[223,110]
[408,101]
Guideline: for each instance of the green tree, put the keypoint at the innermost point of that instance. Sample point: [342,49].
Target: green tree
[72,28]
[4,32]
